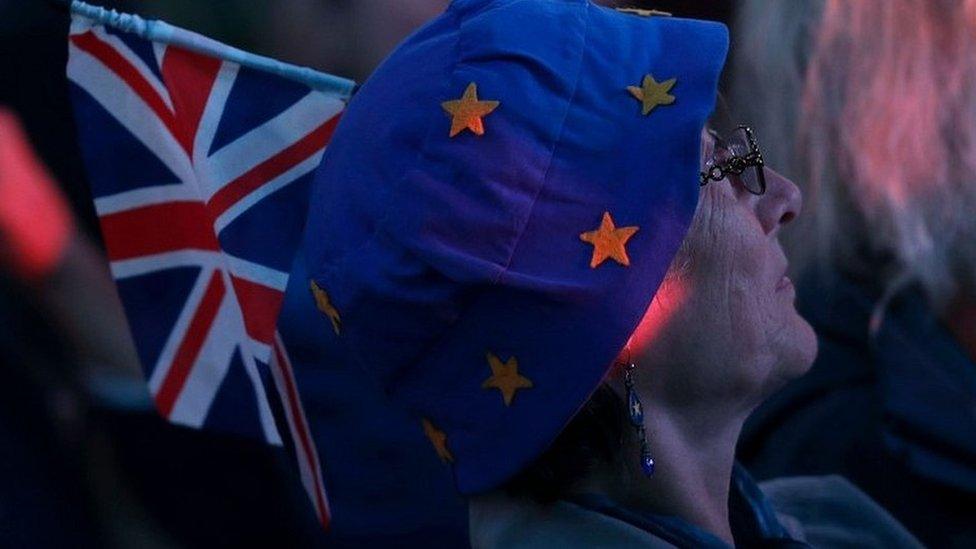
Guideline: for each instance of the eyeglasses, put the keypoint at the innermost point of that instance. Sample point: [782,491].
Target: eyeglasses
[736,156]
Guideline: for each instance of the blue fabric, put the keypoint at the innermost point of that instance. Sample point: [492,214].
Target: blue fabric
[438,250]
[385,485]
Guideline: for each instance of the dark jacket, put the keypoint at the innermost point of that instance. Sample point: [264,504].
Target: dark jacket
[894,412]
[794,513]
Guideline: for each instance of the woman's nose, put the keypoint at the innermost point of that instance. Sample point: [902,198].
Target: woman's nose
[781,203]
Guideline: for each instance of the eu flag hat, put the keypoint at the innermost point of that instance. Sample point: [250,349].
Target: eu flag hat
[498,207]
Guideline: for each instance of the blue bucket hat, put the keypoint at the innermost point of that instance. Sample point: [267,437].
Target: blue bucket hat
[498,207]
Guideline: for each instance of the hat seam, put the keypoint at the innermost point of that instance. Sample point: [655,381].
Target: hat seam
[382,226]
[562,127]
[342,265]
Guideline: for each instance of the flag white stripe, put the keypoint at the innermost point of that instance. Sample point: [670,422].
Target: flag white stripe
[257,348]
[159,51]
[178,333]
[271,434]
[209,369]
[209,122]
[258,145]
[125,268]
[307,469]
[80,25]
[123,49]
[146,196]
[233,307]
[267,189]
[129,109]
[255,272]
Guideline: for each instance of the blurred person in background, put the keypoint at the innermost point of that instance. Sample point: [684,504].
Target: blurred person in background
[351,38]
[872,108]
[345,37]
[41,466]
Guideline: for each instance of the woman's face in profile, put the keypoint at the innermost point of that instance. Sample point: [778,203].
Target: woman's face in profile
[723,324]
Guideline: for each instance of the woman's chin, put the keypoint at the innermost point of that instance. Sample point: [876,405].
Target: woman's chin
[797,350]
[801,351]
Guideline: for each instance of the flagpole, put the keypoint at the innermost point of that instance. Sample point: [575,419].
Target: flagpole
[160,31]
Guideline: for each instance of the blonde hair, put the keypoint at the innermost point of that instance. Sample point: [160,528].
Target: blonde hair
[885,138]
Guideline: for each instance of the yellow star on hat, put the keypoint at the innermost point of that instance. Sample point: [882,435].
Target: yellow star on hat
[652,93]
[609,242]
[325,306]
[467,112]
[506,378]
[439,439]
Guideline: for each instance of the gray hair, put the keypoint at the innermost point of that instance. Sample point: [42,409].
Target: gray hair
[870,106]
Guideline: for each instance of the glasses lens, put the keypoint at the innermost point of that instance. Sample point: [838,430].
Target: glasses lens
[738,143]
[751,180]
[742,146]
[707,150]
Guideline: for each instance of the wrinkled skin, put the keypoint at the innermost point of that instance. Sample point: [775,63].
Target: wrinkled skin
[723,330]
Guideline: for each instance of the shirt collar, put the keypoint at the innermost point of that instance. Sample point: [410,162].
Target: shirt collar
[754,522]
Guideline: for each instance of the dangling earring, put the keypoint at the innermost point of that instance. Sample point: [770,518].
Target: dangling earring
[636,411]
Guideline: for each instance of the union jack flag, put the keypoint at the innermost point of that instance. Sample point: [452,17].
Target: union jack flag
[200,170]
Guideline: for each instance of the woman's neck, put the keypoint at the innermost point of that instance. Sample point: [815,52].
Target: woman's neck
[694,456]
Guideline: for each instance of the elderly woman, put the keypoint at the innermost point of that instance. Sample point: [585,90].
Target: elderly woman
[873,105]
[523,232]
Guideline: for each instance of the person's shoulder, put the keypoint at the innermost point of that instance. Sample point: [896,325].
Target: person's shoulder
[832,512]
[499,520]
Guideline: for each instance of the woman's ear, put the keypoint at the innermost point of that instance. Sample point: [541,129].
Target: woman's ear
[624,359]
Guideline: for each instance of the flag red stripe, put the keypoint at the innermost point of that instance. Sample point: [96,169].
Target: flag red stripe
[259,305]
[189,78]
[157,229]
[186,355]
[303,437]
[271,168]
[112,59]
